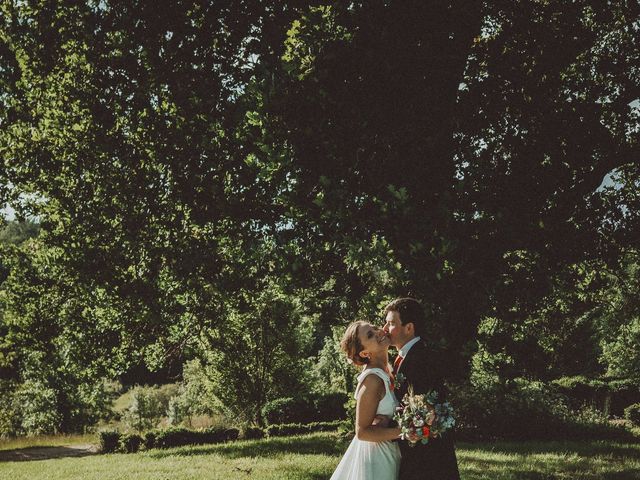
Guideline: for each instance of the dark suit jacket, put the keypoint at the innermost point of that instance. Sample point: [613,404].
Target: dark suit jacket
[436,460]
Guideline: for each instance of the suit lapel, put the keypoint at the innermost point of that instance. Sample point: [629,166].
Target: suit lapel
[401,365]
[410,355]
[409,368]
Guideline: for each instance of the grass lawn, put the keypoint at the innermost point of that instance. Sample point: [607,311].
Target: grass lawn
[314,457]
[46,441]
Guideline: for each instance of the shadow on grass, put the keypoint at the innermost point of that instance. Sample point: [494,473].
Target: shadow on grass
[300,475]
[273,447]
[509,471]
[549,461]
[556,468]
[582,449]
[596,460]
[45,453]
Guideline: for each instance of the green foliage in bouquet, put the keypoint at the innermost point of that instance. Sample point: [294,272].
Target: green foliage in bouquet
[423,417]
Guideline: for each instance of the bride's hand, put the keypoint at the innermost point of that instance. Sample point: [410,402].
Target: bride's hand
[381,421]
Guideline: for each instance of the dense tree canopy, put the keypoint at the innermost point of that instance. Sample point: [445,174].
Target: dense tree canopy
[471,138]
[185,161]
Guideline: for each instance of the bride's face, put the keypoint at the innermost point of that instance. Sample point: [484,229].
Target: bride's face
[373,340]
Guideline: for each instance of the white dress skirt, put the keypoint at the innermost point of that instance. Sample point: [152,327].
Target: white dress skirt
[372,460]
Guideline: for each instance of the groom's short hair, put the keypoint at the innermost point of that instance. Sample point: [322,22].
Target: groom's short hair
[410,311]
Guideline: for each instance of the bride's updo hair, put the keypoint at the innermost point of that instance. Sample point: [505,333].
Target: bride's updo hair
[350,344]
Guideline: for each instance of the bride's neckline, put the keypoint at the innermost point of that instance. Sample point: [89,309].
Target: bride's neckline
[371,369]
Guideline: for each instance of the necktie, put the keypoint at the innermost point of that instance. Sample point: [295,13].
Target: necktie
[396,364]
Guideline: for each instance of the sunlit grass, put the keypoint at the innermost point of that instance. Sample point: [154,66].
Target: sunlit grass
[315,456]
[46,441]
[122,402]
[550,460]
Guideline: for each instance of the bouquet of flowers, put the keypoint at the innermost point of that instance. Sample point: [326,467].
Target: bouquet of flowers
[421,418]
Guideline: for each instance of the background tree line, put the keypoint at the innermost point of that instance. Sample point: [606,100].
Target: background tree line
[233,181]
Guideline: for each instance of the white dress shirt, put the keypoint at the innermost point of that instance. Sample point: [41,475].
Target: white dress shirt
[407,346]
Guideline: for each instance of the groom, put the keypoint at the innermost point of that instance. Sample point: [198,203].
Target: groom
[417,366]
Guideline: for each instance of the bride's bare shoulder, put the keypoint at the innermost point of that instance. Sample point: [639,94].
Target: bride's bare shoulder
[371,385]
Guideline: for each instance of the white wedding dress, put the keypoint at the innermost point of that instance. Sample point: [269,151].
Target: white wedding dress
[372,460]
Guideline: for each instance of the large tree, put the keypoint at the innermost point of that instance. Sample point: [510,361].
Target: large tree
[447,150]
[472,137]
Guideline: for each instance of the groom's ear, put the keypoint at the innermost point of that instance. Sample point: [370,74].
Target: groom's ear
[411,328]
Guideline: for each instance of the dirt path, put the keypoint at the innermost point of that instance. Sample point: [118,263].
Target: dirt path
[45,453]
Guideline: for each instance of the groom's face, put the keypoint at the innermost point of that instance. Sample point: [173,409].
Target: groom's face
[398,333]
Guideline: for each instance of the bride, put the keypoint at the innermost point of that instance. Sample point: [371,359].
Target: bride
[372,453]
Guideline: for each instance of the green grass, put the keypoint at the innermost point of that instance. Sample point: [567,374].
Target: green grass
[313,457]
[121,403]
[550,461]
[46,441]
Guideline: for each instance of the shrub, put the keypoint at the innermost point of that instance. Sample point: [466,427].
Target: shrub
[325,407]
[253,433]
[150,439]
[589,423]
[148,405]
[177,411]
[130,443]
[580,390]
[350,408]
[176,437]
[288,410]
[632,413]
[300,428]
[10,418]
[522,409]
[48,405]
[330,406]
[514,409]
[231,434]
[194,396]
[38,408]
[109,441]
[609,394]
[346,429]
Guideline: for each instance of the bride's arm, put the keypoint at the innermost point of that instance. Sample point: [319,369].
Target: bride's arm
[369,395]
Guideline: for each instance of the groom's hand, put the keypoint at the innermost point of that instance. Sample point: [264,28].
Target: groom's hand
[381,421]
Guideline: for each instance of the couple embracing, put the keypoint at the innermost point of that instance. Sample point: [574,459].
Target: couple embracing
[376,452]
